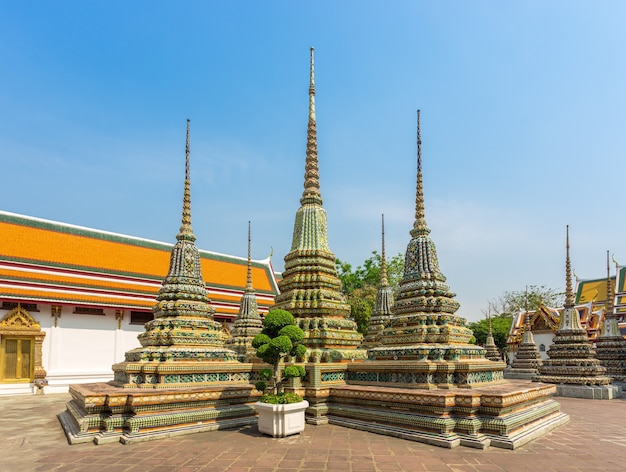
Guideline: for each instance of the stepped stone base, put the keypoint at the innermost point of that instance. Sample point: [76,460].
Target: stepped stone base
[500,414]
[520,374]
[426,374]
[505,416]
[104,413]
[593,392]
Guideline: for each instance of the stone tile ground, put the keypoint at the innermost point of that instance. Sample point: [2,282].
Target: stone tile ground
[31,439]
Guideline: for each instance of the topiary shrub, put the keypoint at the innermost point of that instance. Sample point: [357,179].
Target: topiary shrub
[280,337]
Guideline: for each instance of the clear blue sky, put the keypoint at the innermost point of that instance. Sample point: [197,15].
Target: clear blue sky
[523,126]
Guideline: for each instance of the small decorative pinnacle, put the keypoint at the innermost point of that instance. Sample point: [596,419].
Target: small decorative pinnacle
[312,87]
[569,294]
[185,231]
[419,227]
[609,289]
[249,287]
[383,262]
[311,192]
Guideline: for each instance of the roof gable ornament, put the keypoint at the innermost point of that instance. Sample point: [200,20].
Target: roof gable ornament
[18,319]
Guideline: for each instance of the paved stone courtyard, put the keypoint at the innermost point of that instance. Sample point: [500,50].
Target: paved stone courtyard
[31,439]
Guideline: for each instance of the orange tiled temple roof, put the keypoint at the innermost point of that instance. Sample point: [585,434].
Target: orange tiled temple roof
[47,261]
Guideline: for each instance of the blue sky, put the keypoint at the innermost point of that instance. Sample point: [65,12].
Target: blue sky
[522,126]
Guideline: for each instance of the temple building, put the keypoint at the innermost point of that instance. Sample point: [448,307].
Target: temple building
[590,301]
[89,293]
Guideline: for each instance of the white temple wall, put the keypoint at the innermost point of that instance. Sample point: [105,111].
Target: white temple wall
[544,339]
[80,349]
[540,338]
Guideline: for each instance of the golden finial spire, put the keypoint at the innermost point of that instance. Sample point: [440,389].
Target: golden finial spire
[249,287]
[569,294]
[609,289]
[312,87]
[383,262]
[185,231]
[419,227]
[311,192]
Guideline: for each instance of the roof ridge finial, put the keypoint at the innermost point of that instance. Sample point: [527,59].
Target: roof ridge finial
[185,231]
[419,227]
[311,192]
[383,263]
[569,294]
[249,287]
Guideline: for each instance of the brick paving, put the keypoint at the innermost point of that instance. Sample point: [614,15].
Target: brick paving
[31,439]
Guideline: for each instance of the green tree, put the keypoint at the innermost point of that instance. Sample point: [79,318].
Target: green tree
[361,284]
[500,326]
[530,299]
[280,337]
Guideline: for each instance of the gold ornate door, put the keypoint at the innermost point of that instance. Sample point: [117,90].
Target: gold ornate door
[16,356]
[21,340]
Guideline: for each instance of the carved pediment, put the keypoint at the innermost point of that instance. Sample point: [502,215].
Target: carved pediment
[19,319]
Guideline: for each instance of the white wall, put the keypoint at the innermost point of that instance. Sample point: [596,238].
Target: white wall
[81,349]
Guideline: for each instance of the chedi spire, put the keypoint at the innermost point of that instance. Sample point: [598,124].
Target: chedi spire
[571,358]
[183,329]
[310,288]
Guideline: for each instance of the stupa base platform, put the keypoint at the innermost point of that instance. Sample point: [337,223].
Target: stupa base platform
[104,413]
[426,374]
[505,416]
[591,392]
[520,374]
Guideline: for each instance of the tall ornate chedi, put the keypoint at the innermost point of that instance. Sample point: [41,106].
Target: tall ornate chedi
[384,302]
[201,385]
[424,381]
[424,326]
[248,322]
[491,350]
[310,288]
[572,362]
[183,329]
[528,358]
[611,345]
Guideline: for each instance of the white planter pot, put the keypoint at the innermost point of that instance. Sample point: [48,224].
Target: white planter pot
[281,420]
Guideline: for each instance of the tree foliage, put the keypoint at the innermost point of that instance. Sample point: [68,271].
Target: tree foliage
[500,326]
[530,299]
[280,337]
[361,284]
